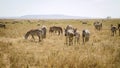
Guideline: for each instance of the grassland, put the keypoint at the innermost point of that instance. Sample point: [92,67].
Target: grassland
[102,51]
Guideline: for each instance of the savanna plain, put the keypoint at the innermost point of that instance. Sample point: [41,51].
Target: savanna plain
[101,51]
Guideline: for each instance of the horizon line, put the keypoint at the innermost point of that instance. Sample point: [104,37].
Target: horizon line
[54,15]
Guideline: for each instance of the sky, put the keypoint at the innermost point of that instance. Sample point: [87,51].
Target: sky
[83,8]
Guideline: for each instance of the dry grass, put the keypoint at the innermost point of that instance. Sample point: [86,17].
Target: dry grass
[102,51]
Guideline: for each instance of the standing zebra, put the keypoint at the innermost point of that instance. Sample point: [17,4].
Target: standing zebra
[77,36]
[113,29]
[44,31]
[85,35]
[69,34]
[98,25]
[72,35]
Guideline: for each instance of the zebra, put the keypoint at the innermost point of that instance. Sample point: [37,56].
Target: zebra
[2,25]
[113,29]
[98,25]
[55,29]
[33,32]
[72,35]
[77,36]
[41,33]
[85,35]
[69,34]
[44,31]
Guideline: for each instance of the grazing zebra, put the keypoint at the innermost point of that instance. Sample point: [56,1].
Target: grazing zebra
[113,29]
[69,33]
[41,33]
[84,22]
[119,29]
[2,25]
[98,25]
[33,32]
[56,29]
[85,35]
[77,36]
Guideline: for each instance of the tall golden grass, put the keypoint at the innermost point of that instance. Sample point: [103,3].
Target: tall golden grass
[102,51]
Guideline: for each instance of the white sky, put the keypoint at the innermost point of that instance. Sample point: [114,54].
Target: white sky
[85,8]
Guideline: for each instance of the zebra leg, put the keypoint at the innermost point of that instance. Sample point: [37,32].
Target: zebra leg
[113,33]
[4,26]
[33,37]
[66,41]
[55,32]
[87,39]
[58,32]
[119,32]
[39,38]
[78,41]
[83,40]
[69,41]
[72,40]
[99,28]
